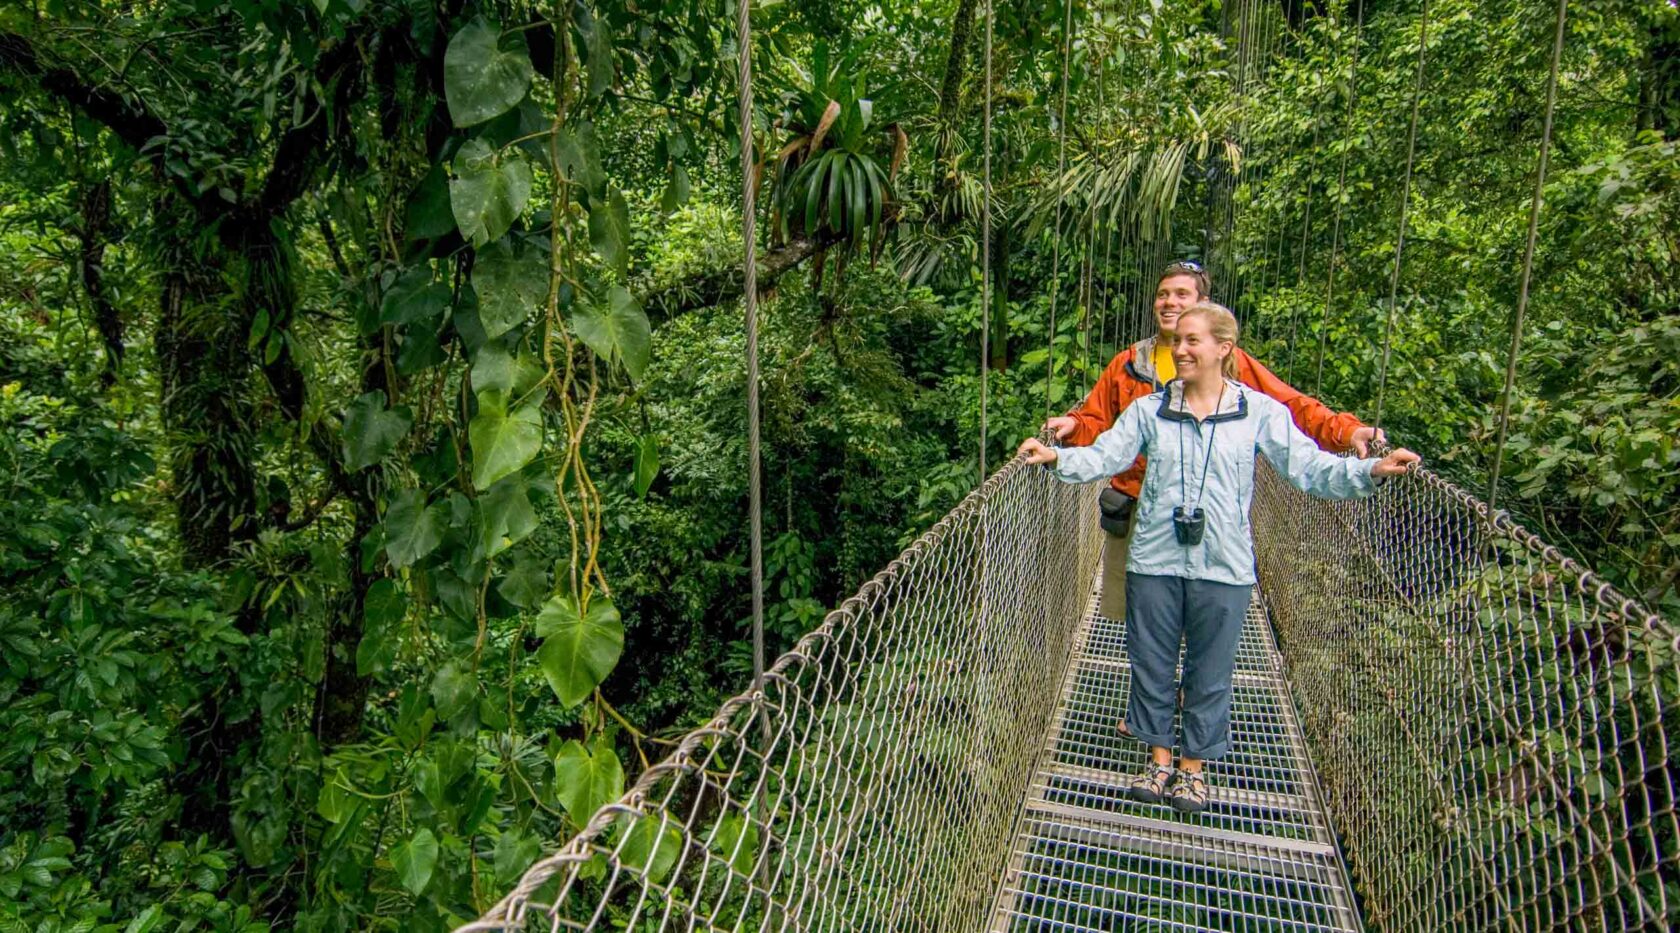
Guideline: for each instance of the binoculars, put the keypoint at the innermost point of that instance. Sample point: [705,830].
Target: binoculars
[1188,529]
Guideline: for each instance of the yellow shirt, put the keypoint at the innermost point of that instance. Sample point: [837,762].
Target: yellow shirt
[1161,356]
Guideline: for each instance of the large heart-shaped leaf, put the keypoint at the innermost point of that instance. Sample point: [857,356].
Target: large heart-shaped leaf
[428,213]
[383,610]
[511,283]
[525,584]
[579,648]
[452,689]
[371,431]
[488,190]
[411,529]
[616,330]
[609,230]
[503,441]
[414,297]
[651,848]
[414,860]
[505,516]
[587,778]
[482,75]
[580,158]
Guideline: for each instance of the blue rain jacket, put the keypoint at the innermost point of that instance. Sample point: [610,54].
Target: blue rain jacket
[1247,422]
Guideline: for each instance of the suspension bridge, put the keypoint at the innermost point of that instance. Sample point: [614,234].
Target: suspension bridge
[1440,722]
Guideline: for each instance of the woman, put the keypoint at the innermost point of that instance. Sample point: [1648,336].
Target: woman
[1191,563]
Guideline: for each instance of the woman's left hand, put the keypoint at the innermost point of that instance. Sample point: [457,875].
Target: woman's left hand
[1396,463]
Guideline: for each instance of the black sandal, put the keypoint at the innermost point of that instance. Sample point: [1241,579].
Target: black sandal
[1151,786]
[1189,792]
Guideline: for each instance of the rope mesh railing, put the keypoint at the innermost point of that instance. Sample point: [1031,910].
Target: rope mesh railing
[875,781]
[1490,720]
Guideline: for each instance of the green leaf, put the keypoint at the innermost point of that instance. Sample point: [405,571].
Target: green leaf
[736,840]
[511,284]
[525,584]
[609,231]
[487,191]
[428,215]
[676,191]
[579,649]
[506,516]
[502,441]
[580,159]
[415,859]
[651,848]
[384,605]
[371,431]
[452,689]
[147,921]
[411,529]
[647,464]
[414,297]
[421,350]
[383,609]
[617,331]
[334,803]
[586,779]
[482,75]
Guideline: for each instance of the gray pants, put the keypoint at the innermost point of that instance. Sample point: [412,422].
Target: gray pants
[1207,617]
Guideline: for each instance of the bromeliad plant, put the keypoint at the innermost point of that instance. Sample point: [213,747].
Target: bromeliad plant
[828,181]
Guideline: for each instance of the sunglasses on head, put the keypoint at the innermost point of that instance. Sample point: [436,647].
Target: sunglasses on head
[1185,265]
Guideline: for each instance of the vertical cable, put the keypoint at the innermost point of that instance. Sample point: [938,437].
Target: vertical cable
[1341,188]
[985,247]
[1528,261]
[1061,192]
[749,273]
[1405,200]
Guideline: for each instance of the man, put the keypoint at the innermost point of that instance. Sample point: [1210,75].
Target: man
[1146,367]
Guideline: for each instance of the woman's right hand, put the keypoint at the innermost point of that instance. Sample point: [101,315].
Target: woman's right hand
[1062,425]
[1396,463]
[1036,452]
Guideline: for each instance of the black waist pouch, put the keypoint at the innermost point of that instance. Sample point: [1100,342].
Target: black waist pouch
[1116,508]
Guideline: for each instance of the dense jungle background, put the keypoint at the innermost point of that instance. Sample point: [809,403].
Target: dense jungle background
[372,371]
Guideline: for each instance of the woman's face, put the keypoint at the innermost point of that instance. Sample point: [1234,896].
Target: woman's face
[1195,350]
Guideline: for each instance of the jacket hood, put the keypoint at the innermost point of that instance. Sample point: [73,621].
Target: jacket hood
[1142,364]
[1233,403]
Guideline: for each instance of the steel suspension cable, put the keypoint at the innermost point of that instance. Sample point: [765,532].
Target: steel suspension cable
[1405,200]
[1341,188]
[749,274]
[985,246]
[1061,195]
[1301,258]
[1528,260]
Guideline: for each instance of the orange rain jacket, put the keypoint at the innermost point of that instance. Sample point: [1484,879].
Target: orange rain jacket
[1131,375]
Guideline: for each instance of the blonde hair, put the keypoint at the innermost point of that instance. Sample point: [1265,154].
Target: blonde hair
[1222,324]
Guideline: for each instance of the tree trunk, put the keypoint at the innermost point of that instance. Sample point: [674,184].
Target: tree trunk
[950,89]
[1659,83]
[96,217]
[1000,298]
[202,366]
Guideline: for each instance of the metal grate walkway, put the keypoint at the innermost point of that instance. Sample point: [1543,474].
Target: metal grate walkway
[1085,857]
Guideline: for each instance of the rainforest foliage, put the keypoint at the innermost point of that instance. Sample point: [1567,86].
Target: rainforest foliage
[371,371]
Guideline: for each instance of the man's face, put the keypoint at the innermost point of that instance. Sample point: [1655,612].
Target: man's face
[1172,296]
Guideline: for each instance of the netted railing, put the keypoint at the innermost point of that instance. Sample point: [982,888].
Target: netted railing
[1491,722]
[875,781]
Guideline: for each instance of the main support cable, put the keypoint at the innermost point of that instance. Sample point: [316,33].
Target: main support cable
[749,273]
[985,248]
[1405,200]
[1528,260]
